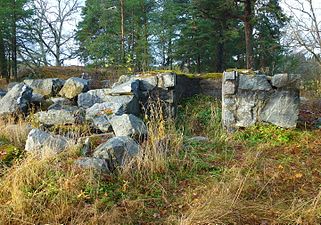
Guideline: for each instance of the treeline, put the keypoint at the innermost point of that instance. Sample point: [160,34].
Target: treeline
[192,35]
[202,35]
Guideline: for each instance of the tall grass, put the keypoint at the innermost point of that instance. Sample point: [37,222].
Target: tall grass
[263,175]
[14,130]
[52,190]
[163,143]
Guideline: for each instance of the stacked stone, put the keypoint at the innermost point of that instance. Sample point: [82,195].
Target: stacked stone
[112,112]
[251,99]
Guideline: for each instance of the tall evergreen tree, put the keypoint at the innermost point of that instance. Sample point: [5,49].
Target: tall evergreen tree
[11,13]
[201,35]
[269,21]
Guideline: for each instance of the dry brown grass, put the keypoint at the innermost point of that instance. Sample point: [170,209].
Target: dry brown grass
[260,189]
[271,176]
[163,143]
[14,130]
[52,190]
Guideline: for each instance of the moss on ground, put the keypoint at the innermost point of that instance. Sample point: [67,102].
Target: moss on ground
[8,152]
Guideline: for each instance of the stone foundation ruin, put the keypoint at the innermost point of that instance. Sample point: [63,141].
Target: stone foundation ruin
[249,99]
[114,114]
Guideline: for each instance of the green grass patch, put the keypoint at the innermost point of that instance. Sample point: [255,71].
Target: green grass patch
[200,115]
[266,134]
[8,152]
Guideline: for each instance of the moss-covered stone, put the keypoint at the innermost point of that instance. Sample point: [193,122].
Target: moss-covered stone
[189,75]
[241,71]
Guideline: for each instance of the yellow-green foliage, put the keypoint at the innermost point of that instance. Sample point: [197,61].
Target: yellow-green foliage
[79,130]
[211,75]
[8,152]
[189,75]
[242,71]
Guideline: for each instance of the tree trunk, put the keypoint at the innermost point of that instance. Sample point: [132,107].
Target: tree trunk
[57,58]
[248,33]
[219,56]
[145,51]
[122,28]
[198,60]
[14,41]
[169,54]
[3,60]
[220,49]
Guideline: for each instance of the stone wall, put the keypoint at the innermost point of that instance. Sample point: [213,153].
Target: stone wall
[172,89]
[211,87]
[249,99]
[169,87]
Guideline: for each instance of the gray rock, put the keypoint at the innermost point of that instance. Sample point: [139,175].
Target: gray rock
[248,100]
[85,148]
[229,88]
[198,139]
[115,105]
[282,109]
[229,76]
[229,101]
[100,114]
[58,106]
[2,94]
[228,119]
[127,88]
[73,87]
[166,80]
[102,123]
[122,79]
[59,101]
[66,115]
[37,98]
[117,151]
[303,99]
[42,142]
[130,104]
[46,87]
[129,125]
[286,80]
[88,99]
[148,83]
[254,83]
[11,85]
[246,109]
[16,100]
[99,165]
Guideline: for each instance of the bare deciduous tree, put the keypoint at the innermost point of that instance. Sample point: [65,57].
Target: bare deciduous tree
[305,27]
[51,31]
